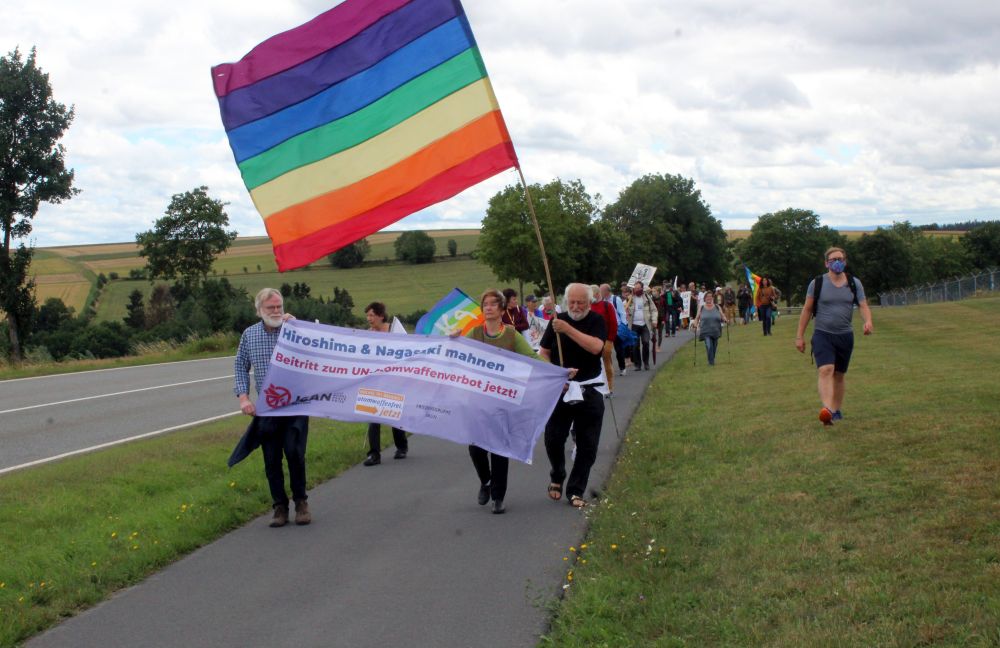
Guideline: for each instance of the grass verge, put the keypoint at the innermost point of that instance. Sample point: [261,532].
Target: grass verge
[78,530]
[733,518]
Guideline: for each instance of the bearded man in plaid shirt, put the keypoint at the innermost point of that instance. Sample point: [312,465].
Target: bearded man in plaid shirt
[278,434]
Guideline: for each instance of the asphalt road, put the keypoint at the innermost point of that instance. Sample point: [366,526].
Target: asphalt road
[398,555]
[50,416]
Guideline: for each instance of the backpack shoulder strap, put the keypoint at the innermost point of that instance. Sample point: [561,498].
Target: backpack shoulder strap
[854,288]
[817,289]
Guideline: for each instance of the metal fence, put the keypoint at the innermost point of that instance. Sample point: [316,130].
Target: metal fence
[981,283]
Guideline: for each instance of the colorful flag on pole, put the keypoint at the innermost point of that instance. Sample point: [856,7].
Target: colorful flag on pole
[358,118]
[754,281]
[455,311]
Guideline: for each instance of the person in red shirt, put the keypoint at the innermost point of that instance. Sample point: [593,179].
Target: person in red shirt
[602,306]
[514,315]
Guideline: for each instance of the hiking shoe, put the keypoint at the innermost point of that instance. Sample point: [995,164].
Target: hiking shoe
[400,454]
[826,416]
[837,416]
[302,514]
[484,494]
[373,460]
[498,507]
[280,518]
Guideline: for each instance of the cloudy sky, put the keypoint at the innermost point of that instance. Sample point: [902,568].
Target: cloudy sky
[865,111]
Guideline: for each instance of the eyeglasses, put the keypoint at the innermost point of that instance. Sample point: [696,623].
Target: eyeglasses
[842,259]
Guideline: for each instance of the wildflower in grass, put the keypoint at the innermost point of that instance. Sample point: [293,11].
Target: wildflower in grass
[232,484]
[42,584]
[565,558]
[93,564]
[584,561]
[614,547]
[20,599]
[583,546]
[114,534]
[3,585]
[573,549]
[569,576]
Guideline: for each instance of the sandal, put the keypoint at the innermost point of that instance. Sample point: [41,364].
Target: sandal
[577,502]
[555,492]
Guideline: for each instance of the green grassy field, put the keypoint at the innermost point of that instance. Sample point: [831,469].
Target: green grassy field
[733,518]
[78,530]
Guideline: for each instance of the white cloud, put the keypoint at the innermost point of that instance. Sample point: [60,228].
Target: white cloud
[863,112]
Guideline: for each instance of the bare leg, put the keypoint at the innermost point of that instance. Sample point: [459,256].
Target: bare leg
[826,386]
[838,391]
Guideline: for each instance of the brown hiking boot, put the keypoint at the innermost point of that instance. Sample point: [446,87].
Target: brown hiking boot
[302,514]
[280,516]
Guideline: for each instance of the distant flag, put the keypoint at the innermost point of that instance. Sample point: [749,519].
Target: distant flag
[455,311]
[367,113]
[754,281]
[397,327]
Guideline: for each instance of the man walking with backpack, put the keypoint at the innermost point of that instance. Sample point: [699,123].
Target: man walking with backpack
[831,298]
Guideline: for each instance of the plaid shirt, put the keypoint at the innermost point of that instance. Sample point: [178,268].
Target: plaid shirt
[256,346]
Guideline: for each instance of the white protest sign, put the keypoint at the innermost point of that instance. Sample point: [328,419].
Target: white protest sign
[643,273]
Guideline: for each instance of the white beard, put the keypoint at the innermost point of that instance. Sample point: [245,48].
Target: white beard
[576,317]
[272,321]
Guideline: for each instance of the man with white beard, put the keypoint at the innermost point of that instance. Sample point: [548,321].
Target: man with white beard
[582,334]
[277,434]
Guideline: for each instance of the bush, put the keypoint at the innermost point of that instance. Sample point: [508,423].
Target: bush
[452,247]
[103,340]
[416,246]
[113,276]
[212,343]
[350,256]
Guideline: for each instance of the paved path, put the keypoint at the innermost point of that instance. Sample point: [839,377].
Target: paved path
[397,555]
[50,416]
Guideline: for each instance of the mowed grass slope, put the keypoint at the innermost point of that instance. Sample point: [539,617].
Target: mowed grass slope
[733,518]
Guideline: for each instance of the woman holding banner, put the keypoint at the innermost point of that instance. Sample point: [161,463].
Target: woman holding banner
[376,316]
[492,468]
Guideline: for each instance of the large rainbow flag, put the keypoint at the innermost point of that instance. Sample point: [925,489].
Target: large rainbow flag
[358,118]
[456,310]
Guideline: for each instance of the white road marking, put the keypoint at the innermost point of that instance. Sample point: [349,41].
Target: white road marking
[114,443]
[121,393]
[90,371]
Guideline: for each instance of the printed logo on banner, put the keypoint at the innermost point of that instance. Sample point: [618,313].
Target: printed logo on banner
[379,403]
[277,396]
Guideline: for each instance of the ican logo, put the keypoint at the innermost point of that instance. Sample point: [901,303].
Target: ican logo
[276,396]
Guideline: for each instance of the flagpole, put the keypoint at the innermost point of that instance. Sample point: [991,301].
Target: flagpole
[545,259]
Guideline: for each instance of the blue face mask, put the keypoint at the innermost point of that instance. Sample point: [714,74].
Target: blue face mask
[837,266]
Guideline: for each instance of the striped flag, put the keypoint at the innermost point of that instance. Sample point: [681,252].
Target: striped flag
[358,118]
[754,281]
[455,311]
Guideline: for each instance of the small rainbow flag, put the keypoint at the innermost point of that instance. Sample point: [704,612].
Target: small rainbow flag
[754,281]
[455,311]
[367,113]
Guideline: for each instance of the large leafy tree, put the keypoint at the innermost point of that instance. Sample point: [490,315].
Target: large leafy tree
[508,243]
[185,241]
[669,226]
[788,247]
[883,260]
[32,171]
[983,245]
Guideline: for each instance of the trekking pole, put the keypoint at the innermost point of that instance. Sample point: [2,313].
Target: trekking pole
[729,343]
[611,403]
[696,348]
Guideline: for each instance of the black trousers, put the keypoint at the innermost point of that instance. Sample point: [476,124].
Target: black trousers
[620,353]
[585,418]
[285,435]
[641,347]
[375,439]
[492,470]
